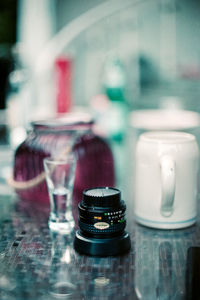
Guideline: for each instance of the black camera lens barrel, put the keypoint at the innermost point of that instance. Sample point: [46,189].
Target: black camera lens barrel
[102,223]
[102,212]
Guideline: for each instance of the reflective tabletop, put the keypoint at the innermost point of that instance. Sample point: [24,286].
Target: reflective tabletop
[37,264]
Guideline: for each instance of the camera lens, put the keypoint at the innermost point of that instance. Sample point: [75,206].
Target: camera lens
[102,223]
[102,213]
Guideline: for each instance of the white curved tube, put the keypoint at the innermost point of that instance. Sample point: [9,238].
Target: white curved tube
[74,28]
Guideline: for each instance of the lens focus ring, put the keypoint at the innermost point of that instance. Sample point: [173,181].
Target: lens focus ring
[90,228]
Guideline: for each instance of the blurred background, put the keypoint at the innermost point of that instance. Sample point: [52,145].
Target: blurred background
[109,57]
[134,65]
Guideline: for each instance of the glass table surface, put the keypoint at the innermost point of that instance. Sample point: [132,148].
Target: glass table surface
[37,264]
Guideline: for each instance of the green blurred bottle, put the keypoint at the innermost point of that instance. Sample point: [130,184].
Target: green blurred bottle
[114,86]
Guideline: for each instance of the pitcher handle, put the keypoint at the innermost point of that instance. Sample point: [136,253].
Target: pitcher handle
[168,181]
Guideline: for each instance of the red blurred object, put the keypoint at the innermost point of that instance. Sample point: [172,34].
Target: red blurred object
[63,68]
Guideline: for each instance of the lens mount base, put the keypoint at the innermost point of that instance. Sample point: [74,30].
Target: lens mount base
[102,247]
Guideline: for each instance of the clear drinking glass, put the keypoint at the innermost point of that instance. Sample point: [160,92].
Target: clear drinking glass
[60,175]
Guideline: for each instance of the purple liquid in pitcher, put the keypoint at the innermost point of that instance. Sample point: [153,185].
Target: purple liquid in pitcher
[95,165]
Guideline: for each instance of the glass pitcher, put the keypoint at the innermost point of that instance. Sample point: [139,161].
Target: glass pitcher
[56,137]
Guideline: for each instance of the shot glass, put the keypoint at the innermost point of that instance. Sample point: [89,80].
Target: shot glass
[60,175]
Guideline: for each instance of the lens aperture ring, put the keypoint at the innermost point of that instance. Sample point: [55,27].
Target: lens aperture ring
[115,212]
